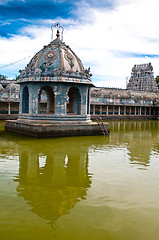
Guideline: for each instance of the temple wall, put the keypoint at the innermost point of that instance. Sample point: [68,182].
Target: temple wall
[108,103]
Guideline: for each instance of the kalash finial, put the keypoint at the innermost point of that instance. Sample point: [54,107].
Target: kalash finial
[59,29]
[58,34]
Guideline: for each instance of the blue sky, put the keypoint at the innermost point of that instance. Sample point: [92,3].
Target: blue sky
[110,36]
[16,14]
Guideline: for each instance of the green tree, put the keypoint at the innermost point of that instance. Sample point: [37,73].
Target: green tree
[157,80]
[2,77]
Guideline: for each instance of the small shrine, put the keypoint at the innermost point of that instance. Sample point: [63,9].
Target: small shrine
[54,93]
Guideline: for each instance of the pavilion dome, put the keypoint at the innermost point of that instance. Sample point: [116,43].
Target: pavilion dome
[55,60]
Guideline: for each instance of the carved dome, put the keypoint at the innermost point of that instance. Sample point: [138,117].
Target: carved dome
[58,62]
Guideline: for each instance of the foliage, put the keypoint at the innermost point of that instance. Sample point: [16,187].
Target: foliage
[157,80]
[2,77]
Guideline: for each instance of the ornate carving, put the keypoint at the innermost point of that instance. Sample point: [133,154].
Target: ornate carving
[50,56]
[33,61]
[87,71]
[69,57]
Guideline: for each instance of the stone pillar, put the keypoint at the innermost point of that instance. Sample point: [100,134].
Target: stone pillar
[94,109]
[20,103]
[48,105]
[33,99]
[130,111]
[140,110]
[154,112]
[61,97]
[150,111]
[145,110]
[84,96]
[124,110]
[135,110]
[119,110]
[113,109]
[100,110]
[8,107]
[88,101]
[9,93]
[107,110]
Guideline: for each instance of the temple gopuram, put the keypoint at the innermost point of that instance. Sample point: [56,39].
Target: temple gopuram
[142,78]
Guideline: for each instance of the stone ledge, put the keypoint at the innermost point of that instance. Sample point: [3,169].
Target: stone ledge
[123,117]
[53,118]
[8,116]
[46,130]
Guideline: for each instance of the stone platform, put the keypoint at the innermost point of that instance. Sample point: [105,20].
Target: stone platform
[45,129]
[8,116]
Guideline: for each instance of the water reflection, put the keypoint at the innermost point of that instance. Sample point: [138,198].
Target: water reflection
[53,177]
[53,173]
[52,182]
[139,138]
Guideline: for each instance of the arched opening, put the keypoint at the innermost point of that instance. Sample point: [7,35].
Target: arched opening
[46,100]
[74,105]
[88,102]
[25,100]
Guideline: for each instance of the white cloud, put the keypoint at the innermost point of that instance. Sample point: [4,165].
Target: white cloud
[130,28]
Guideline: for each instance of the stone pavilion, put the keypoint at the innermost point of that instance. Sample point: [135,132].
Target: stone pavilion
[56,75]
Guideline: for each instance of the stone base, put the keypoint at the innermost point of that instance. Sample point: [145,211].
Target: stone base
[44,129]
[54,119]
[8,116]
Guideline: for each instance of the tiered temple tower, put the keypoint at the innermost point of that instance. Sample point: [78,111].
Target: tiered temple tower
[142,78]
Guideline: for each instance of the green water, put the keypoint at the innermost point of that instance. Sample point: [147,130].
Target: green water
[79,188]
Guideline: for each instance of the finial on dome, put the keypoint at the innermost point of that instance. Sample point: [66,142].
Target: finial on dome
[58,34]
[59,28]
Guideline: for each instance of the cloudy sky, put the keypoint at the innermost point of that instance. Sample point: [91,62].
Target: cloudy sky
[109,36]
